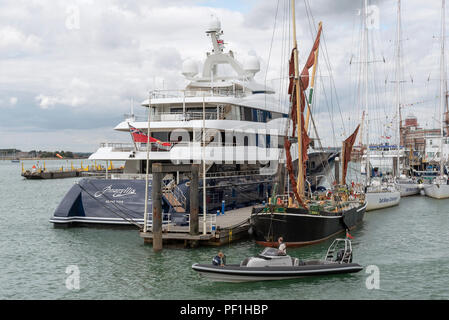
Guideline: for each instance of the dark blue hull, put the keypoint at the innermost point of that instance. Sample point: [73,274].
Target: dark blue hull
[122,202]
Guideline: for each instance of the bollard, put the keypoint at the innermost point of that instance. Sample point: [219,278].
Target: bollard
[218,212]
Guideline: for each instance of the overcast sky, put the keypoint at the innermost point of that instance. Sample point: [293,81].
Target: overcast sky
[69,69]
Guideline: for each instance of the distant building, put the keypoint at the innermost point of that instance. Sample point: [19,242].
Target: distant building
[413,137]
[432,152]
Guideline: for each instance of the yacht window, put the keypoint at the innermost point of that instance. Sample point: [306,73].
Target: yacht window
[163,136]
[235,113]
[247,114]
[255,114]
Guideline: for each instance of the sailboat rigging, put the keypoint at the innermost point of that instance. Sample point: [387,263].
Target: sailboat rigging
[301,217]
[439,189]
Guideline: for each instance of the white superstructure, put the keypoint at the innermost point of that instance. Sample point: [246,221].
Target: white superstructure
[243,120]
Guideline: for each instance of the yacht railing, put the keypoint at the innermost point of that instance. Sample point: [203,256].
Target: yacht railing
[231,173]
[215,92]
[120,147]
[128,147]
[178,116]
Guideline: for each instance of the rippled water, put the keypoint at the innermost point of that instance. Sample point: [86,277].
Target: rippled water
[408,243]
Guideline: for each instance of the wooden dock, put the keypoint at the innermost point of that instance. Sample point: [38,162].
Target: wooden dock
[230,227]
[68,172]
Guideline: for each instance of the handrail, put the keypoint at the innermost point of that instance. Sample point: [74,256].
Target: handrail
[178,116]
[231,173]
[220,92]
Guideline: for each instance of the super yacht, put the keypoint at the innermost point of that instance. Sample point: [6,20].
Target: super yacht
[222,117]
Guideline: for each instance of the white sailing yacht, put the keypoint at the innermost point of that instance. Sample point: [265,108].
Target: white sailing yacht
[439,188]
[406,185]
[378,192]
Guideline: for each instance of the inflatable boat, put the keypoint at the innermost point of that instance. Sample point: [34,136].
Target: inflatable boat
[271,265]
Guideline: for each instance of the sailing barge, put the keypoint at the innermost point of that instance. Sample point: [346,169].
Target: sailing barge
[298,217]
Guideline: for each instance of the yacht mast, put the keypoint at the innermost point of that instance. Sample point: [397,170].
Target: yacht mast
[368,172]
[298,112]
[398,87]
[442,82]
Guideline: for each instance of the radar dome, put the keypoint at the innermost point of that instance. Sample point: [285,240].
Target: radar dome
[189,68]
[214,24]
[251,65]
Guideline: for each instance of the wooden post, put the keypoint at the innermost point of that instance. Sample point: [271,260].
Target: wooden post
[194,200]
[156,192]
[337,169]
[282,180]
[343,178]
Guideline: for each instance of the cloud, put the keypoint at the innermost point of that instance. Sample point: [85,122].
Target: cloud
[84,78]
[14,42]
[75,94]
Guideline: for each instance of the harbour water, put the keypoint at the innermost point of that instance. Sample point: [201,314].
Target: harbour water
[408,244]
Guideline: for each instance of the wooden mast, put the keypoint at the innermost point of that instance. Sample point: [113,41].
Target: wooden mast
[298,107]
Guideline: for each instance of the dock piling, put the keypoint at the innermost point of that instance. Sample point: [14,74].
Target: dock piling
[337,169]
[156,195]
[194,200]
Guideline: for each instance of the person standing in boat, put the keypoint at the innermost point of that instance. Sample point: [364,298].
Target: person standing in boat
[282,247]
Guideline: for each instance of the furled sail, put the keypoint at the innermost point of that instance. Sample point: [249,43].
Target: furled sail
[293,86]
[347,151]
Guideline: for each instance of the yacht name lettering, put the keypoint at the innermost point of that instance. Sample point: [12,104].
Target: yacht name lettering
[116,192]
[383,200]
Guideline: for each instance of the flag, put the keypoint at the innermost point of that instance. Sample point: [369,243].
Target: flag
[348,235]
[139,136]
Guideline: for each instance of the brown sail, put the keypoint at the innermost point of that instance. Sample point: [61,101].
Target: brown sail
[347,151]
[293,86]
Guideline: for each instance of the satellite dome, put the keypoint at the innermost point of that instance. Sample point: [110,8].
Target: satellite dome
[214,24]
[251,65]
[189,68]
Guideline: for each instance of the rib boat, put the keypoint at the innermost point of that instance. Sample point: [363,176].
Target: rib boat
[270,265]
